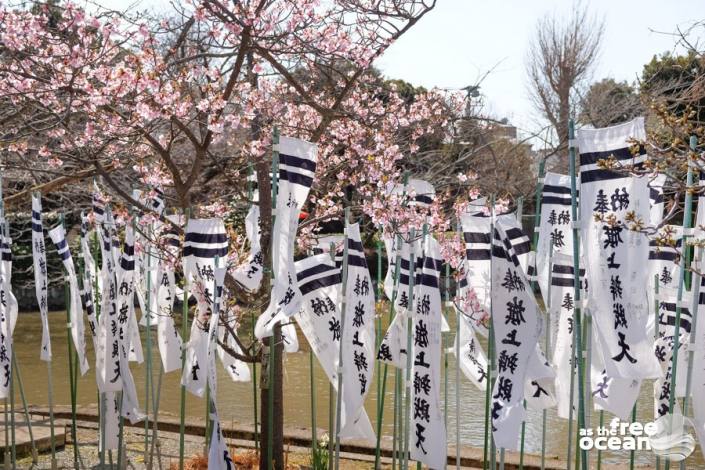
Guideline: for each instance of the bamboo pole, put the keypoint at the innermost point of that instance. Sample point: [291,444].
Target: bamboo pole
[339,372]
[656,333]
[547,343]
[250,196]
[493,358]
[457,362]
[380,406]
[35,455]
[184,339]
[272,346]
[687,224]
[409,329]
[13,451]
[148,379]
[576,283]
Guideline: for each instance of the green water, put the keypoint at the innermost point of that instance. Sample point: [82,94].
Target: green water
[235,399]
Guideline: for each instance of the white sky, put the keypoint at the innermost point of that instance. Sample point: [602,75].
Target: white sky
[461,40]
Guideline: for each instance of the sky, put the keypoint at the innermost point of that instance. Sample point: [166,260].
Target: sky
[458,42]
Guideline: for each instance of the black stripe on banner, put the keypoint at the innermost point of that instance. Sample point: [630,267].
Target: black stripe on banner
[522,248]
[463,283]
[556,201]
[64,256]
[423,199]
[355,245]
[476,237]
[127,265]
[433,263]
[61,244]
[295,178]
[357,261]
[297,162]
[563,281]
[129,250]
[566,269]
[514,233]
[428,280]
[313,270]
[603,175]
[36,227]
[206,237]
[478,255]
[173,242]
[36,215]
[621,154]
[662,255]
[320,283]
[550,188]
[205,252]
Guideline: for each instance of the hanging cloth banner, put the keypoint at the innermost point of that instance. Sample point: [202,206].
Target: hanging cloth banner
[205,240]
[473,360]
[320,282]
[427,433]
[250,273]
[58,236]
[517,327]
[392,349]
[90,282]
[297,167]
[41,288]
[108,352]
[615,254]
[656,200]
[358,333]
[562,305]
[147,267]
[698,379]
[8,312]
[663,349]
[168,337]
[127,325]
[554,227]
[237,370]
[540,379]
[663,262]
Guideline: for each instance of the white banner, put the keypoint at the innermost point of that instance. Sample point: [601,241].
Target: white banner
[297,167]
[40,275]
[562,306]
[250,273]
[127,327]
[108,352]
[615,254]
[656,200]
[205,240]
[168,338]
[427,433]
[90,282]
[357,360]
[473,360]
[319,281]
[517,327]
[554,228]
[663,263]
[58,236]
[8,312]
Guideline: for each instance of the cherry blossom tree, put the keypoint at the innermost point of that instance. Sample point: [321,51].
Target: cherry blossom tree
[186,103]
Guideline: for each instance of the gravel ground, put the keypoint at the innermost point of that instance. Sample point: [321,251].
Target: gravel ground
[298,458]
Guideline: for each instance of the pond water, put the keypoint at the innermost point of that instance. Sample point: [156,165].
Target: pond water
[235,399]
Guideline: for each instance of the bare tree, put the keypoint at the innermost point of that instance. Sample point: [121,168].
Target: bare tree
[560,60]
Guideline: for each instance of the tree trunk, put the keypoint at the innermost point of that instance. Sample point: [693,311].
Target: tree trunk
[277,453]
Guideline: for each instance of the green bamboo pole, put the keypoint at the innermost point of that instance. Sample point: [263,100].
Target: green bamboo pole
[445,353]
[547,343]
[184,334]
[493,359]
[576,283]
[72,371]
[35,455]
[409,334]
[155,406]
[12,420]
[331,425]
[599,452]
[457,362]
[687,224]
[250,196]
[312,382]
[520,215]
[339,372]
[122,449]
[380,405]
[272,345]
[148,378]
[656,332]
[101,396]
[396,453]
[378,330]
[7,435]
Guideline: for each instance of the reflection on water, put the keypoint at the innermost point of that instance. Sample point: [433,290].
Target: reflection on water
[235,399]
